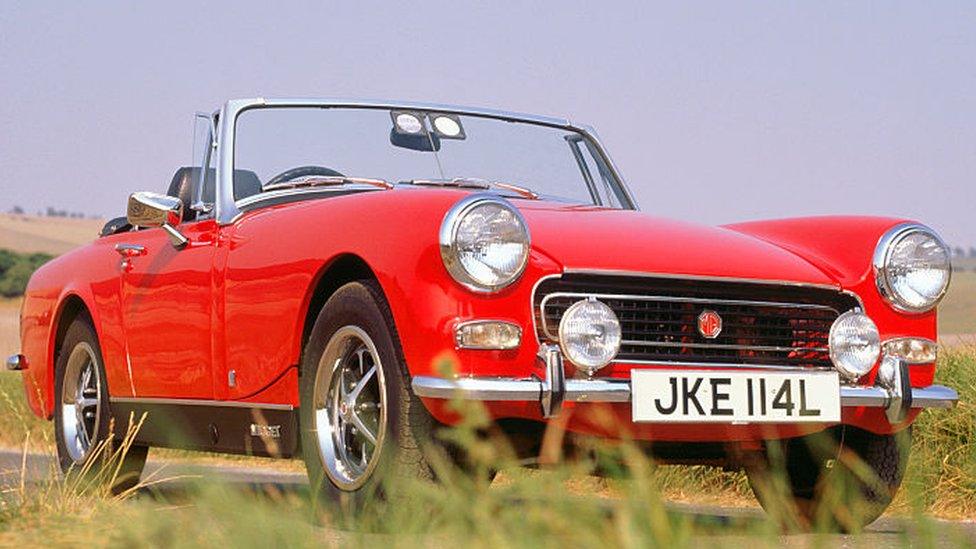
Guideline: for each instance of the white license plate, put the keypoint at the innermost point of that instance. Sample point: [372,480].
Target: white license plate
[692,396]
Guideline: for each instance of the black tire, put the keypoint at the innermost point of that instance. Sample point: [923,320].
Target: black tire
[839,480]
[409,427]
[79,337]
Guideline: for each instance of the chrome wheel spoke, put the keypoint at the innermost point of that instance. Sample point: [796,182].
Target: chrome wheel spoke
[360,354]
[361,384]
[343,392]
[85,379]
[341,444]
[367,434]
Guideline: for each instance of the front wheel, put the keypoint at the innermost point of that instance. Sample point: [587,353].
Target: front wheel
[842,479]
[360,421]
[81,415]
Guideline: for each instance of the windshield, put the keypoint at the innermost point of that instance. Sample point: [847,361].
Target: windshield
[296,145]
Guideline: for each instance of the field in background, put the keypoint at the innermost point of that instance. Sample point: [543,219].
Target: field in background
[51,235]
[957,314]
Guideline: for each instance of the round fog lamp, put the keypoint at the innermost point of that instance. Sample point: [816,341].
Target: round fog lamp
[855,344]
[589,334]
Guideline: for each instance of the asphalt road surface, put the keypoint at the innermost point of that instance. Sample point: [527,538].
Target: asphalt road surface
[886,532]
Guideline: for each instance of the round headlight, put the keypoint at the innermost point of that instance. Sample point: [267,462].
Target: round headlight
[912,268]
[589,334]
[484,243]
[855,344]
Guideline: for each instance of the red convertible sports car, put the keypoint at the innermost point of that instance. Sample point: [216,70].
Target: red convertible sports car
[329,275]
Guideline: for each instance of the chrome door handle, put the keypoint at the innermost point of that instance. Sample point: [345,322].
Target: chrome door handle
[130,250]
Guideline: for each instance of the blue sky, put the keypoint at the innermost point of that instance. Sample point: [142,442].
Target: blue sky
[715,112]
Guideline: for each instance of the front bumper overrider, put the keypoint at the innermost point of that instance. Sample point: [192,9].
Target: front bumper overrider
[891,391]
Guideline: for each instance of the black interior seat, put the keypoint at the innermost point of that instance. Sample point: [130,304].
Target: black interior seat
[246,183]
[182,187]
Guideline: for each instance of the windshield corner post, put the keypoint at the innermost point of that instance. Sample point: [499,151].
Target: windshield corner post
[227,210]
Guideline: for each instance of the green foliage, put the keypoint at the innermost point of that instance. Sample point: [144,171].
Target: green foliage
[16,269]
[942,471]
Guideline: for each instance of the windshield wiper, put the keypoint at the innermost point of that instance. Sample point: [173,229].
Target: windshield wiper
[475,183]
[329,181]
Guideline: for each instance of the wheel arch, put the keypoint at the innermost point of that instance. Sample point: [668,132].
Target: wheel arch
[71,307]
[340,270]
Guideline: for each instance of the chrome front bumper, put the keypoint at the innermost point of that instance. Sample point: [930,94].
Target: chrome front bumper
[892,393]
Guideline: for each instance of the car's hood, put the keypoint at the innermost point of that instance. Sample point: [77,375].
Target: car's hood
[580,237]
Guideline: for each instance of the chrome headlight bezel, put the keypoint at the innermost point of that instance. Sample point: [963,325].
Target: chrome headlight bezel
[450,252]
[881,264]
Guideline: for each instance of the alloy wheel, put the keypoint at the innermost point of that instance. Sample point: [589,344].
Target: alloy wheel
[80,402]
[350,412]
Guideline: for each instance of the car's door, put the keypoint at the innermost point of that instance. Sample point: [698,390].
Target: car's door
[167,303]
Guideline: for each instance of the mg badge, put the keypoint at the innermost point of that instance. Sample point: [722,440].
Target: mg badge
[709,324]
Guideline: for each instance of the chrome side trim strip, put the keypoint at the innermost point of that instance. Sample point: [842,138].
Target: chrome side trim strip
[201,402]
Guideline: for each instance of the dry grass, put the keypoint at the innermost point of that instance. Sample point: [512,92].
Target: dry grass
[9,326]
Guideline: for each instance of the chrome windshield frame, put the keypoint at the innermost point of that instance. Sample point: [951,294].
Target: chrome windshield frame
[227,210]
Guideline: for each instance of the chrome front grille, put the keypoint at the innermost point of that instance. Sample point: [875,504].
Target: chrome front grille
[762,324]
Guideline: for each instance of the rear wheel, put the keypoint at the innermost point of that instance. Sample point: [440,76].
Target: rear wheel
[842,479]
[81,416]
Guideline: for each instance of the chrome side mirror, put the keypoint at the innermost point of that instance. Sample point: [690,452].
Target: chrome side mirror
[148,209]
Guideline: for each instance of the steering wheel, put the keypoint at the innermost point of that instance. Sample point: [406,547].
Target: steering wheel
[303,171]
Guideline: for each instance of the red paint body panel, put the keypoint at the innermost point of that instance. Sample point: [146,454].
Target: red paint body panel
[238,298]
[166,305]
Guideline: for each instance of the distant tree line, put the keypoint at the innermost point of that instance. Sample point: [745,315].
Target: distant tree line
[16,269]
[959,251]
[52,212]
